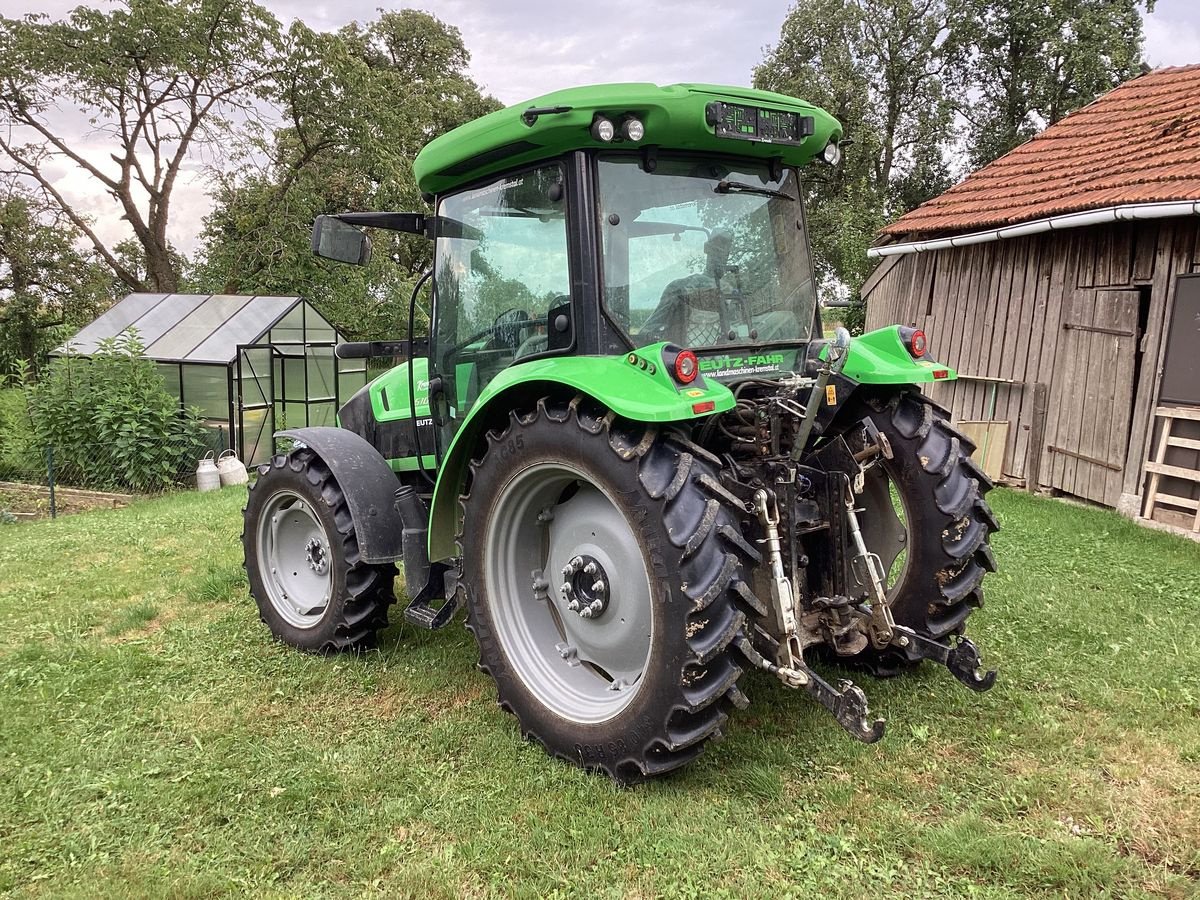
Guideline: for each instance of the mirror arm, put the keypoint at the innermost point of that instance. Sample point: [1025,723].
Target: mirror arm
[411,223]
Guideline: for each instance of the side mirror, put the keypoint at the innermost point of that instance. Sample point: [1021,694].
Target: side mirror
[334,239]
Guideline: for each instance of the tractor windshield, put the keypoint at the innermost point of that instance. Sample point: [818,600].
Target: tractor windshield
[704,252]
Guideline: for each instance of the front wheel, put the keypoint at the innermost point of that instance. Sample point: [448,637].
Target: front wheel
[302,561]
[604,587]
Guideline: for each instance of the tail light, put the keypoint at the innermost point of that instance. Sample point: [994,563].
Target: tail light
[914,341]
[687,367]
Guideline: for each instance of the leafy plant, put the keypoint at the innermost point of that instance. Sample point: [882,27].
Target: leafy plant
[20,450]
[111,422]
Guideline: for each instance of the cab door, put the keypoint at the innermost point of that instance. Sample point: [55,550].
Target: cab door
[501,285]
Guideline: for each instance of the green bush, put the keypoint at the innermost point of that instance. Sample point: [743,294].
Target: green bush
[21,456]
[112,423]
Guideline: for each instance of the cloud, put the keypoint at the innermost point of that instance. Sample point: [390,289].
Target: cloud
[1173,34]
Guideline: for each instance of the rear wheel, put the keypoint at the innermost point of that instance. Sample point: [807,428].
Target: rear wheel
[604,585]
[926,516]
[302,561]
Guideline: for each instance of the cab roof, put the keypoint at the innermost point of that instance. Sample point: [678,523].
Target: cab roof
[676,117]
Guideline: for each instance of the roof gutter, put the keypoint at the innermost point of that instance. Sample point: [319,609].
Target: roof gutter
[1128,213]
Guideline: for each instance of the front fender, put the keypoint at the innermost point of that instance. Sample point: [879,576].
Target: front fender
[635,386]
[368,484]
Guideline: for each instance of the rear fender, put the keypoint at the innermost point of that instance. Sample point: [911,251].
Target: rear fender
[636,386]
[880,357]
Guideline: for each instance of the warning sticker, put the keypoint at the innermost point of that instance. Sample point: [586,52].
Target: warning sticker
[831,395]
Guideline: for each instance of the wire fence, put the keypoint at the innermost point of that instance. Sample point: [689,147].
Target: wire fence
[51,480]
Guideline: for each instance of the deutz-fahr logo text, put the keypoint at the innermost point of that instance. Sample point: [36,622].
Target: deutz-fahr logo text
[741,365]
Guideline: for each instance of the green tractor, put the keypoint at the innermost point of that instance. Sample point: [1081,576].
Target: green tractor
[625,446]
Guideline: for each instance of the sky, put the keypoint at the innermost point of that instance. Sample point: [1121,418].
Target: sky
[523,48]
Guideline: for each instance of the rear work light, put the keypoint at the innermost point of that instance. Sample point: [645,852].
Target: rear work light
[686,367]
[914,341]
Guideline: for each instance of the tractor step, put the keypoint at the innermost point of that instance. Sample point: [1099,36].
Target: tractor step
[443,583]
[425,616]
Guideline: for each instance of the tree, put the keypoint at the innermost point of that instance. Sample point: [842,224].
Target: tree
[1024,64]
[356,106]
[159,78]
[878,66]
[47,285]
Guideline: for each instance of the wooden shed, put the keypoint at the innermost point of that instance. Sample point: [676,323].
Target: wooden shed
[1058,280]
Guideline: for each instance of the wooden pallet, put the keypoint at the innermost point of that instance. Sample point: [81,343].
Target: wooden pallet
[1158,468]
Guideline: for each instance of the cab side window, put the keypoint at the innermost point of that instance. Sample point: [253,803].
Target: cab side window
[501,274]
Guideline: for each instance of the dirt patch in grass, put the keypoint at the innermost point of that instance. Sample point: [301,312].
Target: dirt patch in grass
[29,502]
[1152,813]
[387,704]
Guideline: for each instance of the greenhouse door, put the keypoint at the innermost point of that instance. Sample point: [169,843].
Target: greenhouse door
[254,397]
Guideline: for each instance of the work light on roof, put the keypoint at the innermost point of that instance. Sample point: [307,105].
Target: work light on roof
[632,129]
[832,153]
[603,129]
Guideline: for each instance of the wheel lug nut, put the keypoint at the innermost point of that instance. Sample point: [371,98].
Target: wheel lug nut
[599,587]
[590,568]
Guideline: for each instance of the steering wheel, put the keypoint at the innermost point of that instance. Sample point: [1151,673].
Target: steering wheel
[499,331]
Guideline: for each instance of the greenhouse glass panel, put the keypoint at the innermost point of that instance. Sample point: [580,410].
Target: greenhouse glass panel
[243,327]
[289,329]
[293,379]
[295,415]
[208,388]
[322,414]
[320,373]
[113,322]
[256,373]
[350,382]
[258,436]
[170,376]
[195,328]
[164,316]
[319,329]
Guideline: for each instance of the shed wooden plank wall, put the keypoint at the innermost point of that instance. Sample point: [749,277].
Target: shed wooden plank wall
[998,310]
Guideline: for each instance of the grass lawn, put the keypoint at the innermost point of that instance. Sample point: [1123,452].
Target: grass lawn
[154,740]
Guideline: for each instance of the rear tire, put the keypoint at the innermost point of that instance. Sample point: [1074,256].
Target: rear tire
[570,481]
[948,522]
[302,560]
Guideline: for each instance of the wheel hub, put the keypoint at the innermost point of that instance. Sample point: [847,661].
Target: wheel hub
[578,638]
[585,587]
[316,555]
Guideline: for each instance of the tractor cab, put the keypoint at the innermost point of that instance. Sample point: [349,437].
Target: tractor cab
[602,220]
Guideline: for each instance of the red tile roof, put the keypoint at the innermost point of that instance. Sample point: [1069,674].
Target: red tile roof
[1139,143]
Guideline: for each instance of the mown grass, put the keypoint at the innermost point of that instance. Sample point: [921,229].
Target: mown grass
[154,741]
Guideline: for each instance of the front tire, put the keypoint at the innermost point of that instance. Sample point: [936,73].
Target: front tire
[947,522]
[604,586]
[312,588]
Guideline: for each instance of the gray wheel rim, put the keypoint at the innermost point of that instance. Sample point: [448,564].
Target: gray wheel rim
[295,559]
[885,525]
[585,669]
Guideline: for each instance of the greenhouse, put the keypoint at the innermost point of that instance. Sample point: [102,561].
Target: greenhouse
[252,365]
